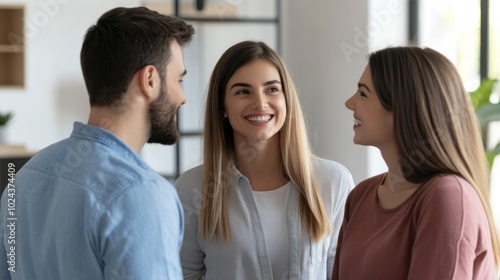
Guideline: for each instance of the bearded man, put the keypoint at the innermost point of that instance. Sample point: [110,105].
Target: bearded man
[88,207]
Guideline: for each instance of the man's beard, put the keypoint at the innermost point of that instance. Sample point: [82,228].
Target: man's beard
[162,117]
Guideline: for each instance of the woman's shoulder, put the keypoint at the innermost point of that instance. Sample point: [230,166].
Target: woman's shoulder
[450,198]
[190,180]
[449,187]
[326,166]
[193,173]
[330,174]
[448,180]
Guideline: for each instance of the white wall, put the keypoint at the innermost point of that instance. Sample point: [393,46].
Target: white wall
[314,33]
[325,45]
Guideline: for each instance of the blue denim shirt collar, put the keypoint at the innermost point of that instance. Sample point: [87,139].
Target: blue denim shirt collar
[107,138]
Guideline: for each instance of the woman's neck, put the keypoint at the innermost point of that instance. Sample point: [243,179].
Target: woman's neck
[261,163]
[395,180]
[396,183]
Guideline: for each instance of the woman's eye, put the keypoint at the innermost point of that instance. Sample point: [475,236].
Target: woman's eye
[272,89]
[242,92]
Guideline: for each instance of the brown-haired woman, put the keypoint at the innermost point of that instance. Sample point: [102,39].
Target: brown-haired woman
[429,216]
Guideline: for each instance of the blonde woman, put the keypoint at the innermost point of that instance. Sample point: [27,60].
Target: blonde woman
[429,216]
[261,206]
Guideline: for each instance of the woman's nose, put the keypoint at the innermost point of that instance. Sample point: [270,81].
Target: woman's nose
[260,101]
[351,103]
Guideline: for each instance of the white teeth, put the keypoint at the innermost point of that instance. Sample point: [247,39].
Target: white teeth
[357,122]
[259,118]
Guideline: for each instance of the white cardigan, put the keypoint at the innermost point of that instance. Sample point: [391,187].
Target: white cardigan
[246,256]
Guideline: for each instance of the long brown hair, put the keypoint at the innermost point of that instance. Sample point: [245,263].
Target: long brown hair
[219,150]
[435,126]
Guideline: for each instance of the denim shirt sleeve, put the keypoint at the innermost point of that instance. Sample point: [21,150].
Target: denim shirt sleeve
[140,233]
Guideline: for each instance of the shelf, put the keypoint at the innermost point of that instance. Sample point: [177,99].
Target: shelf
[14,151]
[189,10]
[11,23]
[231,20]
[212,12]
[11,46]
[12,69]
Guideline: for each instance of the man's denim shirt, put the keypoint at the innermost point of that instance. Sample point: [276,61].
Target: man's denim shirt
[89,208]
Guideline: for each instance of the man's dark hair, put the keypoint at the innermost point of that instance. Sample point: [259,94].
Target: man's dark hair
[123,41]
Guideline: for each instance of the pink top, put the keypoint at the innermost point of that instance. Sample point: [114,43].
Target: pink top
[439,232]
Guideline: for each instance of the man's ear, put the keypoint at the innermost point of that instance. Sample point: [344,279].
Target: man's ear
[149,81]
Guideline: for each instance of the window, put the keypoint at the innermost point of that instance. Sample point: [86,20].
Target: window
[494,39]
[454,30]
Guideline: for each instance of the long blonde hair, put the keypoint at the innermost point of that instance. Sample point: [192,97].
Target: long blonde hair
[435,126]
[219,150]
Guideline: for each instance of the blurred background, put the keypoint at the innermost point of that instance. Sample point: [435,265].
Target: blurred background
[324,43]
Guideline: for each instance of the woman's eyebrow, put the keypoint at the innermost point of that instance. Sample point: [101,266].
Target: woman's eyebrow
[240,85]
[361,85]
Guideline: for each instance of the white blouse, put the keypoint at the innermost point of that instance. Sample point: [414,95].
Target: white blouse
[272,206]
